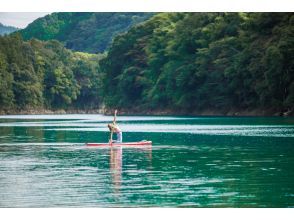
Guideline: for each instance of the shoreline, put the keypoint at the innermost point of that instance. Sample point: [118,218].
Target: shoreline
[168,112]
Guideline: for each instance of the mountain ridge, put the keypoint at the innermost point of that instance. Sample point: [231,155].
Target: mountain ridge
[83,31]
[6,29]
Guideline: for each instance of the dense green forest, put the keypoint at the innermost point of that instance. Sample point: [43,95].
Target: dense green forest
[193,62]
[45,75]
[79,31]
[6,29]
[180,63]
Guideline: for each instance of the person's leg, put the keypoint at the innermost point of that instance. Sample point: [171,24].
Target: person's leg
[119,137]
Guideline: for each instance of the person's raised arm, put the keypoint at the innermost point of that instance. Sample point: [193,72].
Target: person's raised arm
[114,119]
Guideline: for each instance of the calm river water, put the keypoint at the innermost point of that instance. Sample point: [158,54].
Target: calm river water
[194,162]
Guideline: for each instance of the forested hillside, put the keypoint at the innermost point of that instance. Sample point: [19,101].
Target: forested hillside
[193,62]
[86,32]
[45,75]
[178,63]
[6,29]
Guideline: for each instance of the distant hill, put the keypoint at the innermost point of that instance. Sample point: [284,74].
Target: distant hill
[80,31]
[7,29]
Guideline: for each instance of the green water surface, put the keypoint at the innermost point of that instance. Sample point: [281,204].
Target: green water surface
[193,162]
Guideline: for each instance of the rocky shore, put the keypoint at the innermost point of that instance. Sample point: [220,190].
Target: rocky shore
[209,112]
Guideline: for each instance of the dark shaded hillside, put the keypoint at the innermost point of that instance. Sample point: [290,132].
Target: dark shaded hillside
[87,32]
[6,29]
[197,62]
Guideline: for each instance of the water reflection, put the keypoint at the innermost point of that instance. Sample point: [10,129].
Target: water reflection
[116,167]
[116,163]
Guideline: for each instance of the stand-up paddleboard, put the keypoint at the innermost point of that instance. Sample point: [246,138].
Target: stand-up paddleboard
[140,143]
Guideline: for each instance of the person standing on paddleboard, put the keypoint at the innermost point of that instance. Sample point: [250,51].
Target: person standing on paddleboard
[113,128]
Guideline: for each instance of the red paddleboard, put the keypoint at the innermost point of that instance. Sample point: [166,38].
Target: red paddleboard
[140,143]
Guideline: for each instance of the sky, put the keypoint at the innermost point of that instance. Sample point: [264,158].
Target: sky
[20,19]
